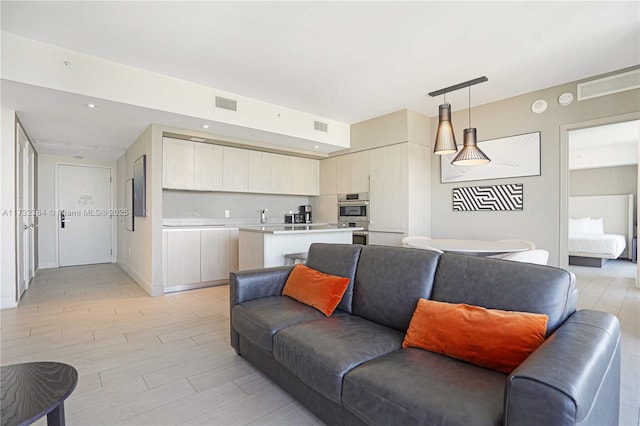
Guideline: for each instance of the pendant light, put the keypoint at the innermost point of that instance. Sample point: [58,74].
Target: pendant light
[470,154]
[445,139]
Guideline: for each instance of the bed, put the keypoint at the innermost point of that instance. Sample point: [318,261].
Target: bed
[600,229]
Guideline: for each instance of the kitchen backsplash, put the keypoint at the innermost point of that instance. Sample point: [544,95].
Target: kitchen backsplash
[242,206]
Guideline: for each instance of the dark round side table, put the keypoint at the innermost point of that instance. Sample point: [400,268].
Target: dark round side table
[33,389]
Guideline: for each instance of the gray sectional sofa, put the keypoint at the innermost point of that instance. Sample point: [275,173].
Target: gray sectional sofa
[350,368]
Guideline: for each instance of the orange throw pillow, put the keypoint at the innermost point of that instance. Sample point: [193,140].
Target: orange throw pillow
[491,338]
[314,288]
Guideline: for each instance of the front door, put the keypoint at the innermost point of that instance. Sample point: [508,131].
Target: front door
[84,215]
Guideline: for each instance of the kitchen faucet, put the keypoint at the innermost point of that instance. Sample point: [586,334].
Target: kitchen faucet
[263,216]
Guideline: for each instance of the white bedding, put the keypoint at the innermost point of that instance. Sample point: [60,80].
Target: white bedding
[608,246]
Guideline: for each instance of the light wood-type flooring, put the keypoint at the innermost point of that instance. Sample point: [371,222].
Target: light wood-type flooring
[167,360]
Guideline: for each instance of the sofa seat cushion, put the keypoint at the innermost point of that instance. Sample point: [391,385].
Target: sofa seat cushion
[258,320]
[418,387]
[320,353]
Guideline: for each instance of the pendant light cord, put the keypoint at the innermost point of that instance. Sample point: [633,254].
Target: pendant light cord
[469,106]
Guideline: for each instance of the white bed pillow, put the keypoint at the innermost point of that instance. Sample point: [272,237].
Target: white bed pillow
[596,226]
[579,225]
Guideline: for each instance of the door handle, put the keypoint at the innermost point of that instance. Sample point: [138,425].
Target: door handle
[62,219]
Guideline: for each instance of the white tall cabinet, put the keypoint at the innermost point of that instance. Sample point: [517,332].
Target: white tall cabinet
[393,165]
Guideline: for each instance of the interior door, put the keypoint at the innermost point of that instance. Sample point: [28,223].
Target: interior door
[21,220]
[84,215]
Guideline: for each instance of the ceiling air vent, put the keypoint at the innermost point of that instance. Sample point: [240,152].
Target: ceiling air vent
[608,85]
[226,103]
[318,125]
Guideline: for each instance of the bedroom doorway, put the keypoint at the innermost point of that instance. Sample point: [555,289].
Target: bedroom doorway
[600,158]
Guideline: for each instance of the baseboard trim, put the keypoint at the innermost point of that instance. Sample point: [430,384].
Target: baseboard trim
[146,286]
[47,265]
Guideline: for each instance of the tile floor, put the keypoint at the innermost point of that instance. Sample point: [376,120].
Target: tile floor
[167,360]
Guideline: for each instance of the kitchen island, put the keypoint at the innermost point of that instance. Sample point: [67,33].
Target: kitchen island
[266,246]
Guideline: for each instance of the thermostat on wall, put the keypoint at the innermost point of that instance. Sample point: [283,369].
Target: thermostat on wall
[539,106]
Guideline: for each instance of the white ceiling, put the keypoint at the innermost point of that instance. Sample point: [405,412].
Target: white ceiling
[604,146]
[346,61]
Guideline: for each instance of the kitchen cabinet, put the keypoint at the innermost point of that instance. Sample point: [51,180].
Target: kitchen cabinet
[389,197]
[329,176]
[199,166]
[304,176]
[182,257]
[218,254]
[257,171]
[198,257]
[207,169]
[191,166]
[235,169]
[279,173]
[353,172]
[177,164]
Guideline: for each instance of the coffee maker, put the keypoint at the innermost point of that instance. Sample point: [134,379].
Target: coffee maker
[305,214]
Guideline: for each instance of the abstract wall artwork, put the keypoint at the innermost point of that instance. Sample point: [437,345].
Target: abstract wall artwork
[512,156]
[128,204]
[488,198]
[139,186]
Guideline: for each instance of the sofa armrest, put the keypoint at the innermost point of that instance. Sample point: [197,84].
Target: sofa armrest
[257,283]
[254,284]
[572,378]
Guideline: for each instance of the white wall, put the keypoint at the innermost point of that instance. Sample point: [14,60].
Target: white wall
[243,207]
[540,219]
[42,64]
[48,223]
[7,213]
[140,251]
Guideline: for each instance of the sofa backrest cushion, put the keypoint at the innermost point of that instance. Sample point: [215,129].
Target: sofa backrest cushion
[511,286]
[336,259]
[390,281]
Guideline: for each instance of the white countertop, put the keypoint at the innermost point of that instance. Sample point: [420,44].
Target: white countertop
[213,224]
[296,229]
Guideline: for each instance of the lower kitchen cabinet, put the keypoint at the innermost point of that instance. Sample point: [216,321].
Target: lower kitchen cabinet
[386,238]
[218,254]
[182,257]
[198,257]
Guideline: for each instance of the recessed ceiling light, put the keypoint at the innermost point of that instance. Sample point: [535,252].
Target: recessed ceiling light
[205,126]
[91,105]
[316,147]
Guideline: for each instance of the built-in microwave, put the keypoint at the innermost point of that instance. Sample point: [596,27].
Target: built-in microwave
[353,207]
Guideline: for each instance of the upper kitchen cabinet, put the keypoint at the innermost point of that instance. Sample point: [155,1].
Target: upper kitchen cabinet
[208,167]
[329,176]
[177,164]
[208,163]
[235,169]
[257,171]
[191,166]
[304,176]
[353,172]
[282,174]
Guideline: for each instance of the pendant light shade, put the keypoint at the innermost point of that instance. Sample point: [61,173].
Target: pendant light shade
[445,139]
[470,155]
